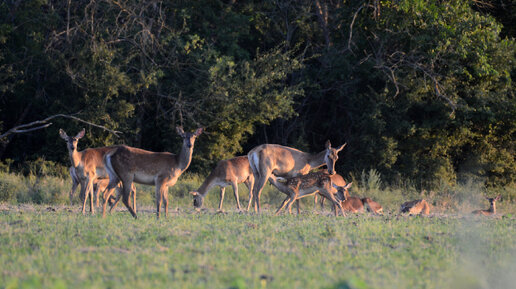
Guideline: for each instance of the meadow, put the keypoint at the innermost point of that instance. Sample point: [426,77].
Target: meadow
[51,245]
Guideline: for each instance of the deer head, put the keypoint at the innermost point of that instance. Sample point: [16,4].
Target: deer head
[332,156]
[72,141]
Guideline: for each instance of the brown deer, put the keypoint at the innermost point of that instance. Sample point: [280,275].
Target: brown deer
[337,181]
[372,206]
[492,208]
[87,166]
[357,205]
[99,185]
[287,162]
[348,203]
[305,185]
[416,207]
[161,169]
[227,172]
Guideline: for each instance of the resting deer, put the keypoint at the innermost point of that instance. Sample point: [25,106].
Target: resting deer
[348,203]
[357,205]
[87,164]
[305,185]
[227,172]
[416,207]
[161,169]
[372,206]
[492,208]
[287,162]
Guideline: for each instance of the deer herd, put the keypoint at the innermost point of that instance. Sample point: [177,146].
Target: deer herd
[106,170]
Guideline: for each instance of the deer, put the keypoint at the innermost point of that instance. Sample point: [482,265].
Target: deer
[161,169]
[372,206]
[87,167]
[492,208]
[227,172]
[337,181]
[287,162]
[305,185]
[416,207]
[355,204]
[99,185]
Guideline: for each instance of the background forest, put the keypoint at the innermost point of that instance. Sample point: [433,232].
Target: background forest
[422,91]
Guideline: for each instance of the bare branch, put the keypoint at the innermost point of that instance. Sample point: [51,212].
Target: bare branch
[44,123]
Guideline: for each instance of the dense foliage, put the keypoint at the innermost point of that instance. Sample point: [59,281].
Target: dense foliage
[420,90]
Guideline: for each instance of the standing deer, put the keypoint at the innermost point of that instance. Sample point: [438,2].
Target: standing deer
[416,207]
[287,162]
[492,208]
[99,185]
[337,181]
[87,166]
[305,185]
[161,169]
[227,172]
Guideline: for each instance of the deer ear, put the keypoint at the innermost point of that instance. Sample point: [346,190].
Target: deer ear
[498,197]
[341,147]
[80,134]
[194,193]
[199,131]
[348,185]
[63,134]
[328,144]
[180,131]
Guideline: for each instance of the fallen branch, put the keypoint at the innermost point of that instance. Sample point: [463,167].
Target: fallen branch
[44,123]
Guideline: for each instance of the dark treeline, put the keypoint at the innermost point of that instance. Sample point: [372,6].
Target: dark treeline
[420,90]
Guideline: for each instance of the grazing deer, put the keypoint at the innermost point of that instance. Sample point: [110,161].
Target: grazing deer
[305,185]
[492,208]
[372,206]
[416,207]
[87,166]
[287,162]
[161,169]
[227,172]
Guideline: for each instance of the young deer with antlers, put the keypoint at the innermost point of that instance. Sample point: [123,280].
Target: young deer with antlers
[287,162]
[305,185]
[492,208]
[87,166]
[227,172]
[160,169]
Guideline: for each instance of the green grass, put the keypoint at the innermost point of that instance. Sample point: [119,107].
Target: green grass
[63,249]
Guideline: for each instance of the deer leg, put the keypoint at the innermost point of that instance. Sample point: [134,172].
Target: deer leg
[133,192]
[125,199]
[297,205]
[331,197]
[249,184]
[282,205]
[159,199]
[235,191]
[165,199]
[322,204]
[222,192]
[257,189]
[72,191]
[108,191]
[85,193]
[119,194]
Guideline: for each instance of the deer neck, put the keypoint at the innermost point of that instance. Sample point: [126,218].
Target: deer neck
[317,160]
[75,157]
[492,209]
[206,185]
[185,157]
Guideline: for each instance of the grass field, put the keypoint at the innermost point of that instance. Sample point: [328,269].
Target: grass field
[42,248]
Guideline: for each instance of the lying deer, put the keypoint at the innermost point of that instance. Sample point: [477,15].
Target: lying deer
[227,172]
[372,206]
[305,185]
[349,203]
[416,207]
[492,208]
